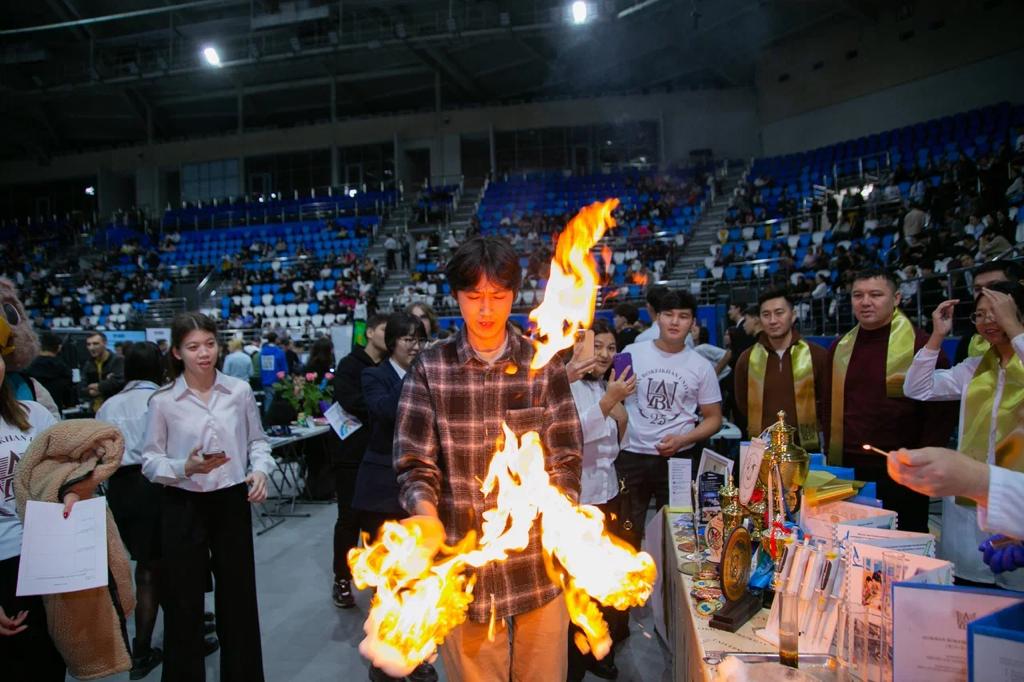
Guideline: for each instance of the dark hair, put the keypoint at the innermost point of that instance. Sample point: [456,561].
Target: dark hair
[654,294]
[752,310]
[182,325]
[428,312]
[143,362]
[49,342]
[1012,270]
[375,320]
[321,356]
[1014,289]
[99,334]
[676,299]
[12,411]
[271,337]
[703,335]
[490,257]
[602,326]
[402,324]
[775,293]
[880,273]
[628,311]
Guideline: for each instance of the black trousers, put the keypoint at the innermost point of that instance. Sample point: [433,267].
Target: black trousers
[29,655]
[911,507]
[346,528]
[646,477]
[203,531]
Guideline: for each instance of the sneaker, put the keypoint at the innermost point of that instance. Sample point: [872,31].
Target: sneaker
[210,645]
[342,594]
[144,664]
[424,672]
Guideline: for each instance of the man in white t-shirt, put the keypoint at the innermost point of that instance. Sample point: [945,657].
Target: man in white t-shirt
[673,383]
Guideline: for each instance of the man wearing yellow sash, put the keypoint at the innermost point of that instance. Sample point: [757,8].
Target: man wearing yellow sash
[985,275]
[782,371]
[990,389]
[867,367]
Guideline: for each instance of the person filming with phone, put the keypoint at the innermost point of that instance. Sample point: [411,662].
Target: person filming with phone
[205,444]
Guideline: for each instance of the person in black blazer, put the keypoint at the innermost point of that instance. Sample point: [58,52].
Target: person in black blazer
[376,494]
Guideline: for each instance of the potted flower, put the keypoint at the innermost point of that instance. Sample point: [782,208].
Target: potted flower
[309,394]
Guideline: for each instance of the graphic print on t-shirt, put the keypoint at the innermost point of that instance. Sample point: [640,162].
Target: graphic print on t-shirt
[7,463]
[659,388]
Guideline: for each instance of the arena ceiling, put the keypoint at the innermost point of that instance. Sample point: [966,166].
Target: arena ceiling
[83,74]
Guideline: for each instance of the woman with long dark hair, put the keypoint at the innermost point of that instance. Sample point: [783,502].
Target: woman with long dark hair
[206,446]
[133,499]
[26,650]
[321,357]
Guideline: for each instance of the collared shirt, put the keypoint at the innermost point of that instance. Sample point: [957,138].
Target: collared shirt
[449,422]
[128,411]
[1005,502]
[961,527]
[598,482]
[230,423]
[398,368]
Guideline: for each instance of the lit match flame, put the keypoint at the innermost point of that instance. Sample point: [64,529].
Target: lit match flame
[571,292]
[419,599]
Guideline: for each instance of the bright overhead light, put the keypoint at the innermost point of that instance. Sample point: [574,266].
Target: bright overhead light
[579,12]
[211,56]
[90,190]
[352,193]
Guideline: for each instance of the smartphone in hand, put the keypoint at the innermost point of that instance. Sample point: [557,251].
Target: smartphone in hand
[620,362]
[583,351]
[207,456]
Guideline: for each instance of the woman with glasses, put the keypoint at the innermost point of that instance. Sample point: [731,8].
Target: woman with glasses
[376,495]
[990,389]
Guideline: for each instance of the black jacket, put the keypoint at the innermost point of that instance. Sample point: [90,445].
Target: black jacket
[377,482]
[110,383]
[54,374]
[348,391]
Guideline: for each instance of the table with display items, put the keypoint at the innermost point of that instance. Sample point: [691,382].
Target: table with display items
[688,634]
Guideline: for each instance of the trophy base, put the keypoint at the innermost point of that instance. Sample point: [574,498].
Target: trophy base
[735,613]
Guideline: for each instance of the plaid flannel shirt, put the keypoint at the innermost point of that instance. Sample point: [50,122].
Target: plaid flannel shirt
[449,421]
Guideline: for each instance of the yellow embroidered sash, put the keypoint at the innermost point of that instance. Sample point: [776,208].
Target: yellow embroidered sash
[978,413]
[977,346]
[803,387]
[899,355]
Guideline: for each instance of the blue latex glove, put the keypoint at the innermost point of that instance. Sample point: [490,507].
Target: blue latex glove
[1006,557]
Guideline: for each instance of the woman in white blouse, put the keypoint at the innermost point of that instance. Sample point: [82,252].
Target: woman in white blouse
[990,389]
[603,419]
[134,500]
[206,446]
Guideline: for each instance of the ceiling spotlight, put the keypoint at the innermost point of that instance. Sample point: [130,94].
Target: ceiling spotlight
[211,56]
[90,190]
[579,12]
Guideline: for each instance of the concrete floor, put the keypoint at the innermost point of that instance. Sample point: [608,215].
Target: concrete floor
[305,637]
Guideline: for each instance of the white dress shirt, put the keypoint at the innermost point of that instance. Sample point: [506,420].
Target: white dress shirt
[230,423]
[128,411]
[961,530]
[1005,511]
[598,482]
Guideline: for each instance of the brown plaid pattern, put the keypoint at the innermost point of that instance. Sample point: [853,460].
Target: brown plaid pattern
[449,421]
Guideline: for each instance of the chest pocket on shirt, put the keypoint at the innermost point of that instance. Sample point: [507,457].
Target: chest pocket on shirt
[524,420]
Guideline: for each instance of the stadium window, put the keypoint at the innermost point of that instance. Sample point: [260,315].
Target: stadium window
[209,180]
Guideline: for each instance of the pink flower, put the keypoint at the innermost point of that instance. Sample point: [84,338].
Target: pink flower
[280,375]
[329,376]
[310,376]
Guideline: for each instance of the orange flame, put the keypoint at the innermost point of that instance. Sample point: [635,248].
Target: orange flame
[639,278]
[571,292]
[419,601]
[606,256]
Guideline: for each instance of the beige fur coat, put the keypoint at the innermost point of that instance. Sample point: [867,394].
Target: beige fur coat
[88,626]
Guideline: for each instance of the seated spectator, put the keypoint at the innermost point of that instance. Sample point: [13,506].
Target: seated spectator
[993,244]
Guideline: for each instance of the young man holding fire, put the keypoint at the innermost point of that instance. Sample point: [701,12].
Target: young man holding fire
[455,399]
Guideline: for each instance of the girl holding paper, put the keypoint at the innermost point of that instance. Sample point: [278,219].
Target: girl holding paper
[991,390]
[26,650]
[205,444]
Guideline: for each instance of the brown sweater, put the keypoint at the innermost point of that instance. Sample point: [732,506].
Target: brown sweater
[88,626]
[778,382]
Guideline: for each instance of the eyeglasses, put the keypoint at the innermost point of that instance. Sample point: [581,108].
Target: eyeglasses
[11,314]
[977,317]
